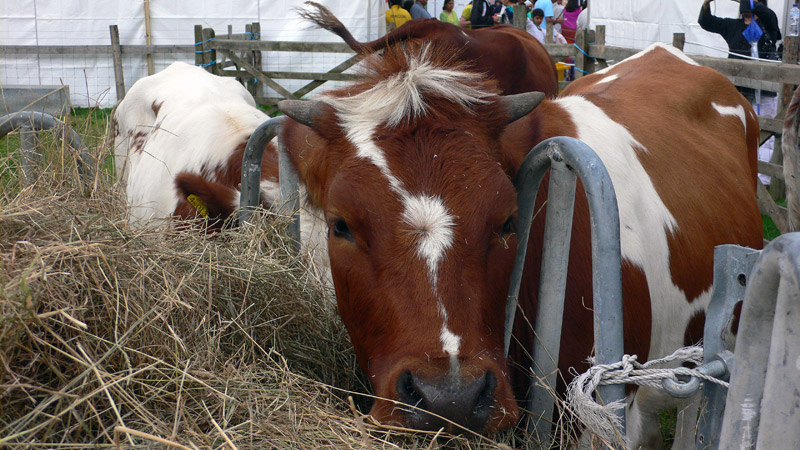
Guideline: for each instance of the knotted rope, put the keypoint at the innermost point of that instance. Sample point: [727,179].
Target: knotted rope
[601,419]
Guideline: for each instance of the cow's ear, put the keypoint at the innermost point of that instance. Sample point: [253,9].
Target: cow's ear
[200,197]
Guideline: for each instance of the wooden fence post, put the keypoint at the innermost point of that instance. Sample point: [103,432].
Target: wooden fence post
[791,181]
[148,36]
[520,17]
[600,35]
[678,40]
[548,34]
[777,188]
[116,54]
[198,45]
[581,61]
[257,88]
[209,53]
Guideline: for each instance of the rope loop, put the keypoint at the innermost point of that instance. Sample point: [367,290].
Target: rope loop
[601,419]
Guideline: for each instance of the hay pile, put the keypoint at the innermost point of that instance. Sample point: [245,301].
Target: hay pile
[165,339]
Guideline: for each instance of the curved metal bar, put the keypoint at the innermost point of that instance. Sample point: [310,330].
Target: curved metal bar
[717,368]
[42,121]
[767,354]
[251,166]
[606,261]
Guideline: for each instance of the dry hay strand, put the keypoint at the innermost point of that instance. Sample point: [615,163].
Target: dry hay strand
[152,338]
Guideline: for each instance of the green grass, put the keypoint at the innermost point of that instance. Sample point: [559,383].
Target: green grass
[90,124]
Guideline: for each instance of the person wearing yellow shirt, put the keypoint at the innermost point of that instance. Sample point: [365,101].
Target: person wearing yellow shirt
[396,15]
[464,20]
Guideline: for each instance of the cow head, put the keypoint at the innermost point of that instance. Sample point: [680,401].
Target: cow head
[420,207]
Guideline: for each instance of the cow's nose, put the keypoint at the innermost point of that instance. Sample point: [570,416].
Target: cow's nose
[450,399]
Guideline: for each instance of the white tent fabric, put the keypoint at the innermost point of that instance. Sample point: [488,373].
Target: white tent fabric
[629,23]
[86,22]
[639,23]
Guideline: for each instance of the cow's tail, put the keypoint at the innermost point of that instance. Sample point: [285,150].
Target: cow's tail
[322,17]
[791,161]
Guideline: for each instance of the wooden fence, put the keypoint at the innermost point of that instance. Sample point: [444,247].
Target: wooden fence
[240,56]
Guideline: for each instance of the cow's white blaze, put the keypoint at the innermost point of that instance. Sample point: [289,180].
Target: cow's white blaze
[451,343]
[398,98]
[432,225]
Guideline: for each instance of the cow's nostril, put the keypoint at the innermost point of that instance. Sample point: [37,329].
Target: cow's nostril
[406,391]
[486,396]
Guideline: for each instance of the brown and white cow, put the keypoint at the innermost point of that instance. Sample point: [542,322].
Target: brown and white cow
[510,56]
[183,132]
[413,169]
[179,140]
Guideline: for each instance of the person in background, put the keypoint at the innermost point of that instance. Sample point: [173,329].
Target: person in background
[558,13]
[482,14]
[533,26]
[769,23]
[418,10]
[570,25]
[465,14]
[547,7]
[529,7]
[448,15]
[507,15]
[395,15]
[498,7]
[733,31]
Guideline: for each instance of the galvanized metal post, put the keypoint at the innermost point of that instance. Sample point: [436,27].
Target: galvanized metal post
[30,156]
[732,266]
[251,177]
[39,121]
[251,166]
[761,410]
[606,258]
[550,311]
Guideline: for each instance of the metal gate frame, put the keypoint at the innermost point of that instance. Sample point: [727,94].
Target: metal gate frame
[29,123]
[568,158]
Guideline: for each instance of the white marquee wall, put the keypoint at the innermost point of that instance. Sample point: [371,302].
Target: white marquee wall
[638,23]
[630,23]
[86,22]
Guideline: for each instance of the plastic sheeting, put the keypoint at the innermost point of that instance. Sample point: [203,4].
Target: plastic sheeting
[638,23]
[86,22]
[630,23]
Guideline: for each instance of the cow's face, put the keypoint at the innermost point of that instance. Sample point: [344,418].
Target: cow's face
[421,242]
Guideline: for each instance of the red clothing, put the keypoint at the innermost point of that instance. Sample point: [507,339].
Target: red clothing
[570,24]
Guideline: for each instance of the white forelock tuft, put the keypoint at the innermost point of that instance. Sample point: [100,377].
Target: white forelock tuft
[403,95]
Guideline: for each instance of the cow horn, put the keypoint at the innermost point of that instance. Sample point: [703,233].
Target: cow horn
[519,105]
[303,111]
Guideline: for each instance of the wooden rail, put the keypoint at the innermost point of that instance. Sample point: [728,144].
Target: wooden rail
[240,56]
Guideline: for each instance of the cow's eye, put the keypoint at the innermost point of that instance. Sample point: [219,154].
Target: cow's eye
[341,230]
[509,227]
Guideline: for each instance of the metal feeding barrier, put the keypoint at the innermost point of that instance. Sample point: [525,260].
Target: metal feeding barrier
[251,178]
[29,123]
[758,411]
[568,158]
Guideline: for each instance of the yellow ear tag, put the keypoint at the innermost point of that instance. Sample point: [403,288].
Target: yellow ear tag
[198,204]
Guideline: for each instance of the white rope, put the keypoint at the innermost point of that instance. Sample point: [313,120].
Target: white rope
[602,420]
[731,53]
